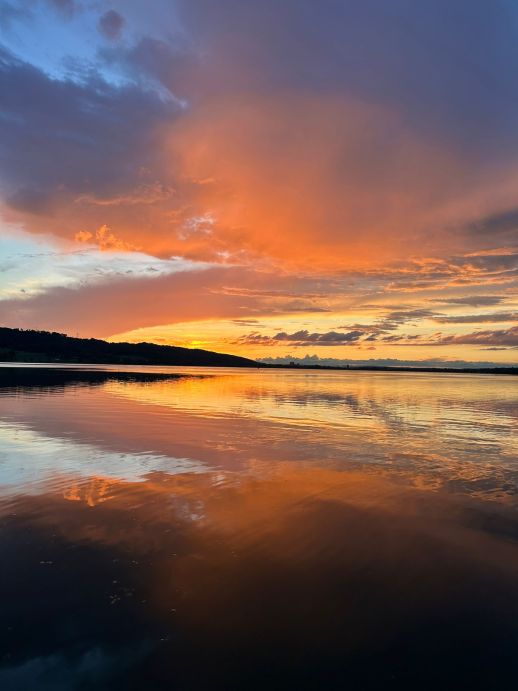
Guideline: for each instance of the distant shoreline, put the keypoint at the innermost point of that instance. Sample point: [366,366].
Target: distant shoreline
[55,364]
[403,368]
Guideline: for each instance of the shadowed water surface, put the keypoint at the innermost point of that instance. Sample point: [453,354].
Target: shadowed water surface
[169,528]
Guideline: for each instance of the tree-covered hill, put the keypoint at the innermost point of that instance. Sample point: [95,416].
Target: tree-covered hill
[20,345]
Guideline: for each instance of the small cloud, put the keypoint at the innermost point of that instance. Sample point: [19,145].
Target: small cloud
[472,300]
[495,252]
[490,318]
[111,24]
[83,236]
[105,239]
[493,338]
[141,195]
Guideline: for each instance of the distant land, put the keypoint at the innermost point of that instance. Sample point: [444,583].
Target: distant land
[313,362]
[387,364]
[26,345]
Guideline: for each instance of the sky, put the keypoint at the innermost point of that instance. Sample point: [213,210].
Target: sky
[327,181]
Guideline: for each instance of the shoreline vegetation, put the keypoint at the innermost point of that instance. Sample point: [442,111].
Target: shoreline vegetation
[44,347]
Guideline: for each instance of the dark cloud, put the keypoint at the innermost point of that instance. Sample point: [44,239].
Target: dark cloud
[498,337]
[402,316]
[489,263]
[472,300]
[396,318]
[392,321]
[491,317]
[61,138]
[504,223]
[448,66]
[472,268]
[304,337]
[503,337]
[110,25]
[166,63]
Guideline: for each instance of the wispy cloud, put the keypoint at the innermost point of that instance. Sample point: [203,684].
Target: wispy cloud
[487,318]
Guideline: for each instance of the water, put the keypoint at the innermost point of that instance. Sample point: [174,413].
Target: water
[167,528]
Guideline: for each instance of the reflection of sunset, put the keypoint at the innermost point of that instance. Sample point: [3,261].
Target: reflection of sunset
[96,491]
[376,402]
[244,507]
[229,420]
[190,528]
[302,558]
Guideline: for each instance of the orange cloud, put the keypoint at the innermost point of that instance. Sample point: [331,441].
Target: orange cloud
[105,240]
[327,182]
[290,180]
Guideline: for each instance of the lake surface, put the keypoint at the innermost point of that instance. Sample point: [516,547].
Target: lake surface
[176,528]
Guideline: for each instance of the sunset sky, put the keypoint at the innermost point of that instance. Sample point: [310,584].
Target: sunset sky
[271,178]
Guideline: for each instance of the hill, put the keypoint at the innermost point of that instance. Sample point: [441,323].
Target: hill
[20,345]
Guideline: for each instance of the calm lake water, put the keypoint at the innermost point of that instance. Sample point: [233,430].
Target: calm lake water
[167,528]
